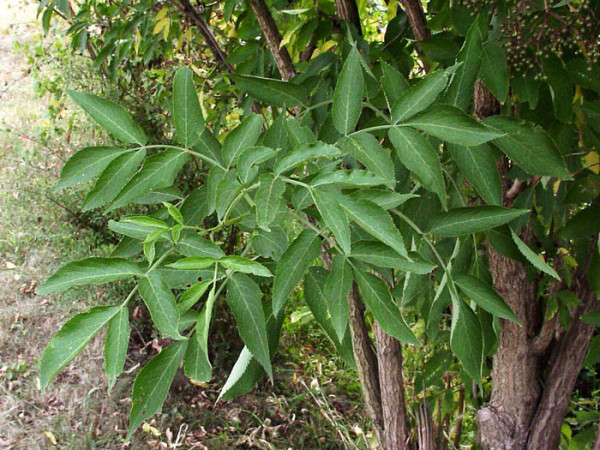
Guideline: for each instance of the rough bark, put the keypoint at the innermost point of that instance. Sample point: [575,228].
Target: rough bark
[565,364]
[366,361]
[393,403]
[416,17]
[504,422]
[347,10]
[273,38]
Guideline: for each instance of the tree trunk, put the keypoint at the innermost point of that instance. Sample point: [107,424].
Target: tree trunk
[347,10]
[273,38]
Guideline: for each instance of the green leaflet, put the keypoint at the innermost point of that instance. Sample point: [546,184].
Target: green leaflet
[194,208]
[194,245]
[270,244]
[420,96]
[243,298]
[240,374]
[463,221]
[347,96]
[336,292]
[250,159]
[73,336]
[393,84]
[244,265]
[380,255]
[272,91]
[89,271]
[87,164]
[190,297]
[328,204]
[529,147]
[532,257]
[417,154]
[157,196]
[376,221]
[450,124]
[227,190]
[316,299]
[209,148]
[292,265]
[384,198]
[158,171]
[298,134]
[187,114]
[592,318]
[349,179]
[378,299]
[116,344]
[152,384]
[494,69]
[582,225]
[114,118]
[268,200]
[244,136]
[478,165]
[197,366]
[365,149]
[161,304]
[113,179]
[192,263]
[132,230]
[485,297]
[304,153]
[466,339]
[460,89]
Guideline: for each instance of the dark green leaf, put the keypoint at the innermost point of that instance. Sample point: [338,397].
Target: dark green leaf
[494,69]
[73,336]
[89,271]
[304,153]
[250,159]
[190,297]
[187,114]
[328,204]
[485,297]
[347,97]
[533,258]
[270,244]
[582,225]
[420,96]
[417,154]
[336,291]
[463,221]
[196,246]
[161,304]
[243,298]
[244,265]
[113,179]
[158,171]
[393,84]
[529,147]
[244,136]
[377,297]
[115,347]
[376,221]
[114,118]
[365,149]
[271,91]
[292,265]
[152,384]
[450,124]
[381,255]
[466,340]
[268,200]
[478,165]
[87,164]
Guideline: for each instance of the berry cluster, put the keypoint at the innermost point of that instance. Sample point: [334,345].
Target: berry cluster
[533,31]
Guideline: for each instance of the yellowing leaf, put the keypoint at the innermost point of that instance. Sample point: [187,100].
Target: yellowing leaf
[592,162]
[162,13]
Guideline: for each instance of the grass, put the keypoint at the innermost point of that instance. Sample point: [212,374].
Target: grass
[315,401]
